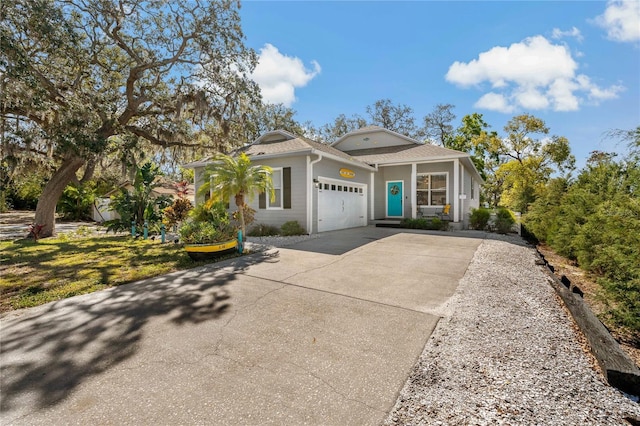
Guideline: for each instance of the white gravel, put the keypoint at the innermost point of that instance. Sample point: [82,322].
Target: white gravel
[506,353]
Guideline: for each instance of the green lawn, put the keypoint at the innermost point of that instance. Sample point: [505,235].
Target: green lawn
[32,274]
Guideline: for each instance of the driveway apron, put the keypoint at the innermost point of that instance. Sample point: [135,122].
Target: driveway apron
[322,332]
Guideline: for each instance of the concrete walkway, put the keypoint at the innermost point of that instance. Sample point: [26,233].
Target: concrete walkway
[322,332]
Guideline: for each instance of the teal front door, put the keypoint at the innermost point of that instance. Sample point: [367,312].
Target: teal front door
[394,199]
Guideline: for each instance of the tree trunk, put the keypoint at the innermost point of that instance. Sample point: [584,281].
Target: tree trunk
[46,208]
[240,204]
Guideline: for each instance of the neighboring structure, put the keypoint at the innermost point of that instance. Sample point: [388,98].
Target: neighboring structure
[101,208]
[366,175]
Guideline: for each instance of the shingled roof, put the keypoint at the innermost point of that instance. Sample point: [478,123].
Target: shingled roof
[403,153]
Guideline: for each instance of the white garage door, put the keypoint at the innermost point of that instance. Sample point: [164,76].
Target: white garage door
[341,205]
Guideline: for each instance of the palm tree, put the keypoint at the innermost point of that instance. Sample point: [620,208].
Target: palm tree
[236,177]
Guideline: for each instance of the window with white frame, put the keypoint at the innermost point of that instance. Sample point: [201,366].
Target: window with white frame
[276,178]
[472,189]
[432,189]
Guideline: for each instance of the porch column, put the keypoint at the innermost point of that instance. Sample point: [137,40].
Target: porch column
[372,193]
[456,190]
[413,186]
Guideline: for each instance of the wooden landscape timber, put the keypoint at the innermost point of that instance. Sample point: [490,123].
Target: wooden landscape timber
[618,368]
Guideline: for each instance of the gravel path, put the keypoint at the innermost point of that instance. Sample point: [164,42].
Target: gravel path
[506,353]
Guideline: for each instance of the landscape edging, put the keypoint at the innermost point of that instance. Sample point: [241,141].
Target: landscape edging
[618,368]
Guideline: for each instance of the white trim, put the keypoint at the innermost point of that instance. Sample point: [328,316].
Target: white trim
[456,188]
[372,203]
[414,190]
[280,188]
[386,198]
[310,191]
[462,192]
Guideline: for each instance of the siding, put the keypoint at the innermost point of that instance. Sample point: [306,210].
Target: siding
[298,210]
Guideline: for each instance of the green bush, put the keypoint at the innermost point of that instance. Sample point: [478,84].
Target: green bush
[433,224]
[479,218]
[595,220]
[76,201]
[262,230]
[504,221]
[207,223]
[292,228]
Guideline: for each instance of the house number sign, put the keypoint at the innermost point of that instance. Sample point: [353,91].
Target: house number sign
[346,173]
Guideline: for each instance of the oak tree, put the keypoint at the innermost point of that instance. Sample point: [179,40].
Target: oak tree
[85,78]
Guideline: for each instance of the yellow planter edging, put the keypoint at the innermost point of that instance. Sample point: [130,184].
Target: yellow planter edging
[210,248]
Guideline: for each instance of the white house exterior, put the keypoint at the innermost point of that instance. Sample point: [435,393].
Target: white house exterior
[366,175]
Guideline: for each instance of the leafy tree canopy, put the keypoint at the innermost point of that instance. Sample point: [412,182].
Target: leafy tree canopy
[83,78]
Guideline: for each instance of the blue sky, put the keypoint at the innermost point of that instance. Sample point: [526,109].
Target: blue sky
[574,64]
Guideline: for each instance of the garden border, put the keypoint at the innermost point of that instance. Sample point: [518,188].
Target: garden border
[618,368]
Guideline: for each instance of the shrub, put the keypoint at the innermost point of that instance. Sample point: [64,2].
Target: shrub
[76,201]
[427,224]
[207,223]
[262,230]
[479,218]
[176,212]
[504,221]
[292,228]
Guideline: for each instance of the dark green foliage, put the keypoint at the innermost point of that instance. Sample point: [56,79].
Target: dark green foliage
[292,228]
[76,201]
[541,215]
[428,224]
[262,230]
[208,223]
[504,220]
[479,218]
[23,193]
[595,220]
[139,205]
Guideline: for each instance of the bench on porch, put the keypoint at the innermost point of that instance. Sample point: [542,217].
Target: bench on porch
[441,213]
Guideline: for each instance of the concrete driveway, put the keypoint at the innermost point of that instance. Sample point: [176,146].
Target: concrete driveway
[322,332]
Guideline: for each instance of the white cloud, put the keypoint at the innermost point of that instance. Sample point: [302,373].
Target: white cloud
[279,75]
[495,102]
[573,32]
[621,20]
[531,98]
[534,74]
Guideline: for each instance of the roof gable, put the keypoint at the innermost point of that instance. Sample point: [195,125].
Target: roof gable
[274,136]
[372,137]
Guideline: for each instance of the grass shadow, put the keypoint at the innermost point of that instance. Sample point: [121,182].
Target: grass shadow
[50,350]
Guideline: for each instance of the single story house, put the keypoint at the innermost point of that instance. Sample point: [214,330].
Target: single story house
[367,175]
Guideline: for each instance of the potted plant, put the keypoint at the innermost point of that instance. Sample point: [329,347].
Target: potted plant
[208,233]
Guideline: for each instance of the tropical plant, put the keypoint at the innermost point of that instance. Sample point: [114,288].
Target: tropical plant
[139,206]
[236,177]
[207,223]
[176,212]
[77,200]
